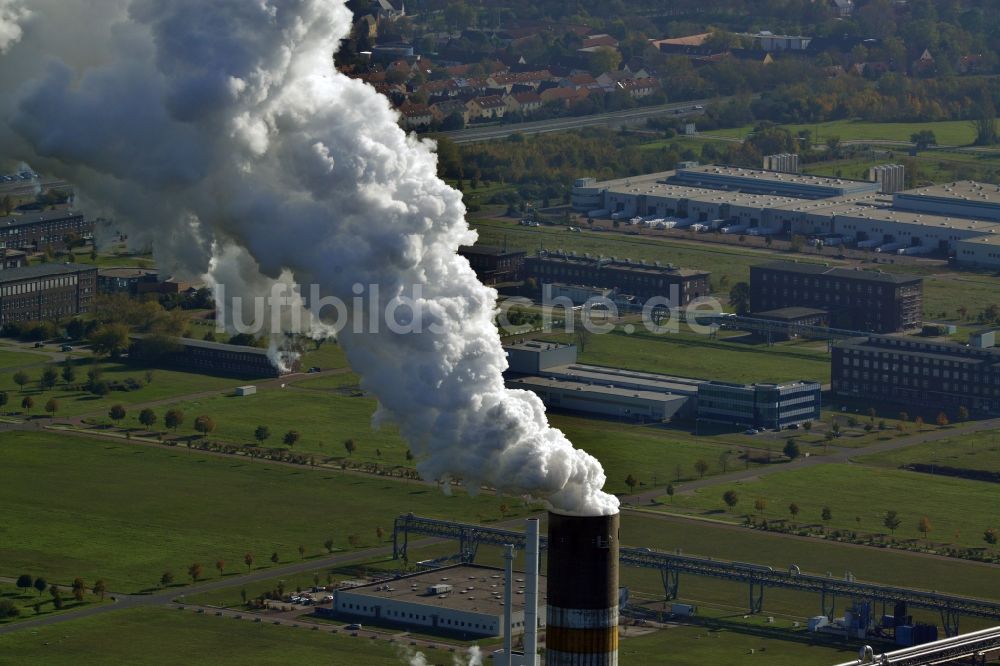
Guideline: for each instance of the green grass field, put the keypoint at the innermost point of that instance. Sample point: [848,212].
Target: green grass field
[81,507]
[326,417]
[692,355]
[26,601]
[949,133]
[958,510]
[153,636]
[13,359]
[166,384]
[979,451]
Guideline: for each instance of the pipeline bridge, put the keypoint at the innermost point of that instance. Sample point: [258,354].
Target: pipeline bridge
[670,565]
[976,647]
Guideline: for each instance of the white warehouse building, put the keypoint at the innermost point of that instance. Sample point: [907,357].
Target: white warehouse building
[461,599]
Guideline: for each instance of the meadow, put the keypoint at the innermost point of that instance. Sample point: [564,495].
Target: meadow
[948,133]
[858,497]
[978,451]
[76,506]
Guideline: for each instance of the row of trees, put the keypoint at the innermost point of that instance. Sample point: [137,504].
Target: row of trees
[26,582]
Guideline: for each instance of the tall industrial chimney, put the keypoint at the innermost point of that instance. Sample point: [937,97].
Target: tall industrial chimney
[582,625]
[531,592]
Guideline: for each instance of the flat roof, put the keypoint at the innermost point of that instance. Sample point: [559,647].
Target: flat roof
[775,176]
[208,344]
[537,345]
[793,312]
[986,239]
[585,387]
[42,270]
[963,190]
[924,219]
[944,350]
[487,250]
[618,264]
[475,589]
[127,272]
[836,271]
[630,180]
[701,194]
[652,382]
[32,218]
[843,202]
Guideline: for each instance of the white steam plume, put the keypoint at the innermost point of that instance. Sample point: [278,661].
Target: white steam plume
[220,131]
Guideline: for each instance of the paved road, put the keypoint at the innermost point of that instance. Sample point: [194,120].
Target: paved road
[612,119]
[843,455]
[127,601]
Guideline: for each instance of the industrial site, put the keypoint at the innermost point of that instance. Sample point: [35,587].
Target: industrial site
[466,333]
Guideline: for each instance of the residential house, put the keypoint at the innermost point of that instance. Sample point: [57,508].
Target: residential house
[445,108]
[639,88]
[490,107]
[524,103]
[416,116]
[566,96]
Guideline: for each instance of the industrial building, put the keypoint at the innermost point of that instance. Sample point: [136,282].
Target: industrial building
[640,279]
[891,177]
[957,219]
[773,406]
[210,357]
[551,371]
[492,264]
[38,231]
[460,599]
[913,371]
[869,301]
[46,291]
[125,280]
[783,162]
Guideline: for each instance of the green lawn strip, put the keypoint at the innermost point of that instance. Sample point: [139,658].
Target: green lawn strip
[959,510]
[13,359]
[976,451]
[149,636]
[128,513]
[74,401]
[26,601]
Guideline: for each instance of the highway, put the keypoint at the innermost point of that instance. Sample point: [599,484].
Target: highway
[612,119]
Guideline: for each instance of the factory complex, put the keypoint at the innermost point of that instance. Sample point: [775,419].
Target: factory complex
[959,220]
[461,599]
[550,370]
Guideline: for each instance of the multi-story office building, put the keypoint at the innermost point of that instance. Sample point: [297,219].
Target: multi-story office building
[38,231]
[868,301]
[759,405]
[46,291]
[642,280]
[911,371]
[494,264]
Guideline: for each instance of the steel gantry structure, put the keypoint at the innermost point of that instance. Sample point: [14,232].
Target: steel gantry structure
[672,565]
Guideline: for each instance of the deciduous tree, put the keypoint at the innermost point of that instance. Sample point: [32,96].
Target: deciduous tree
[173,419]
[701,467]
[730,498]
[892,521]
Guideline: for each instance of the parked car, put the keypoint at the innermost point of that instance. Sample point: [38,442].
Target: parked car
[313,370]
[66,348]
[750,431]
[39,344]
[353,627]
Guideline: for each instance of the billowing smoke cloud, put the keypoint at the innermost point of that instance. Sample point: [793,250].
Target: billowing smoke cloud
[220,133]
